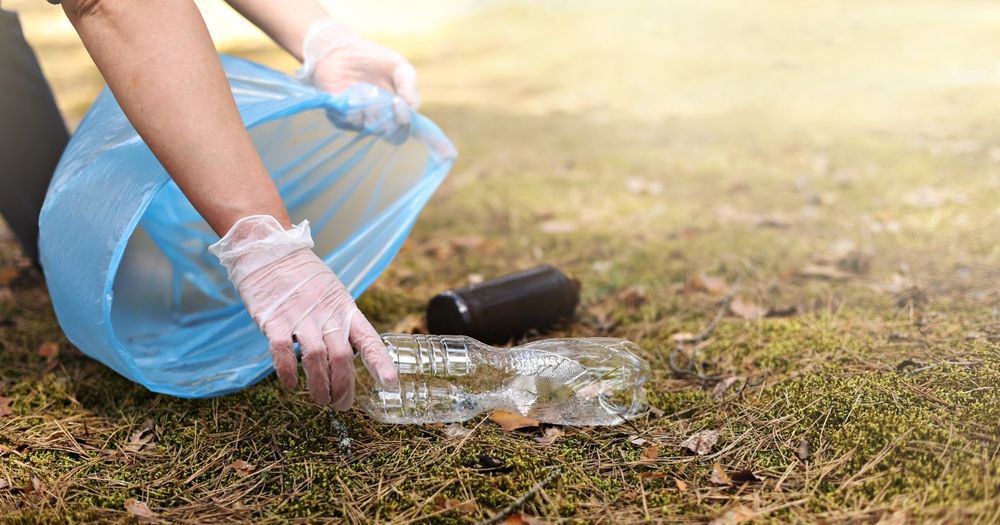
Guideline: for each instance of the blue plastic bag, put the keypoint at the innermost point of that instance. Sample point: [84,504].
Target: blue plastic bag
[124,252]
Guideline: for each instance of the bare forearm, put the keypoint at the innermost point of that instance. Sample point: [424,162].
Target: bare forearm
[161,65]
[286,22]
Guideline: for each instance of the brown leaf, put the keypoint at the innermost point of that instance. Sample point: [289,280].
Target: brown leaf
[719,476]
[633,296]
[456,431]
[745,309]
[5,409]
[681,485]
[701,443]
[142,438]
[651,452]
[463,507]
[700,282]
[742,477]
[510,421]
[467,242]
[48,350]
[652,475]
[37,485]
[734,516]
[138,509]
[551,435]
[517,519]
[242,468]
[719,391]
[7,275]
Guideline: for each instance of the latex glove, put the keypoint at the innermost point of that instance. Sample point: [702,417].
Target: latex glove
[293,295]
[335,58]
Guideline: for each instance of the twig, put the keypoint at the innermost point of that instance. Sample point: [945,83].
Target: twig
[509,509]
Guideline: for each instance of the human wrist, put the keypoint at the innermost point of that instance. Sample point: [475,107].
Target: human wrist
[256,241]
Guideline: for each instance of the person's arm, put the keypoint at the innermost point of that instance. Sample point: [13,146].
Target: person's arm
[161,65]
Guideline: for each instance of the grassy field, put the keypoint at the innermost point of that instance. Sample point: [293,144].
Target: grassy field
[830,169]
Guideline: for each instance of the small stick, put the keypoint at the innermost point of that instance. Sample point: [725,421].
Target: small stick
[509,509]
[690,369]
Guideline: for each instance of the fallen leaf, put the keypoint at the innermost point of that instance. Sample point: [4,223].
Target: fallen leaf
[467,242]
[734,516]
[719,391]
[37,485]
[551,435]
[455,431]
[802,451]
[681,485]
[242,468]
[745,309]
[701,443]
[510,421]
[463,507]
[636,440]
[516,519]
[719,476]
[652,475]
[138,509]
[657,413]
[49,350]
[7,275]
[742,477]
[700,282]
[633,296]
[681,337]
[651,452]
[142,438]
[5,409]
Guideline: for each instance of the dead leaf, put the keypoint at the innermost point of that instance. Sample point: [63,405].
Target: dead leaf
[138,509]
[143,438]
[651,452]
[719,391]
[633,296]
[551,435]
[456,431]
[734,516]
[703,283]
[463,507]
[242,467]
[636,440]
[803,450]
[5,409]
[817,271]
[516,519]
[37,485]
[49,350]
[719,476]
[682,337]
[467,242]
[655,412]
[742,477]
[7,275]
[745,309]
[510,421]
[701,443]
[681,485]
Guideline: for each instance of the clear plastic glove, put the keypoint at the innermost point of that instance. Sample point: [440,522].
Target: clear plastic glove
[294,297]
[335,58]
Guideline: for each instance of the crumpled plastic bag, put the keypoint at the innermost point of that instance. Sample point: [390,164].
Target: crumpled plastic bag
[124,252]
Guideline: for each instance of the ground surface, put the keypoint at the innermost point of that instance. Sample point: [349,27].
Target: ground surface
[840,161]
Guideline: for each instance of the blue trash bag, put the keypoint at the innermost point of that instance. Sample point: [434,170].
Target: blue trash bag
[125,254]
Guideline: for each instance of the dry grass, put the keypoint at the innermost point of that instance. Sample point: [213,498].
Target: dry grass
[742,142]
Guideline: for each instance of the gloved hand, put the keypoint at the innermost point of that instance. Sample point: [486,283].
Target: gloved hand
[334,58]
[293,295]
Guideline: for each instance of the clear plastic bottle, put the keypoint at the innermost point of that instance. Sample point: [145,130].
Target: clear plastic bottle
[442,379]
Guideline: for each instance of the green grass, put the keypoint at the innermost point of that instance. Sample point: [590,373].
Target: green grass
[743,142]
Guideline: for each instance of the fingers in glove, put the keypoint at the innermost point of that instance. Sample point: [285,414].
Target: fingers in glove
[315,362]
[373,351]
[283,357]
[341,364]
[404,81]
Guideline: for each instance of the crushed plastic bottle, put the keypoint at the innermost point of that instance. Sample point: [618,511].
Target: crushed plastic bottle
[444,379]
